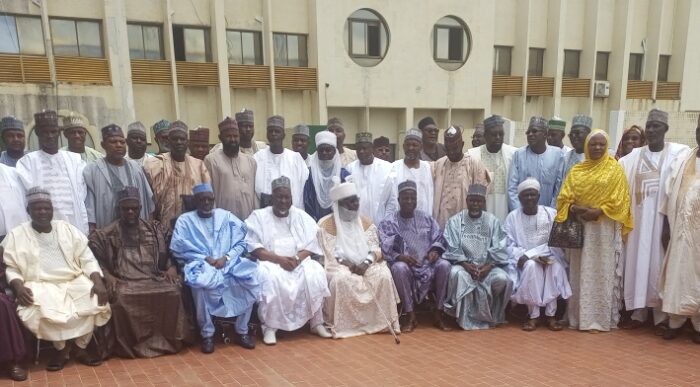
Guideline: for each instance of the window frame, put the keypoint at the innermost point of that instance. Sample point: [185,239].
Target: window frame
[496,50]
[598,62]
[449,29]
[578,64]
[19,36]
[208,52]
[530,72]
[77,35]
[365,22]
[305,62]
[256,35]
[161,43]
[667,66]
[640,67]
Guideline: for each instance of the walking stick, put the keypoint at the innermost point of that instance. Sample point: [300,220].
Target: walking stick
[388,323]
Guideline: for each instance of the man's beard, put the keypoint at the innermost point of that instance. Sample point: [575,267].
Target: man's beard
[232,148]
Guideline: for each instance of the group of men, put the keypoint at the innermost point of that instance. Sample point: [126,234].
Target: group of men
[335,239]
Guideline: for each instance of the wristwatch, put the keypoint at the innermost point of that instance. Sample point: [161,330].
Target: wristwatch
[227,257]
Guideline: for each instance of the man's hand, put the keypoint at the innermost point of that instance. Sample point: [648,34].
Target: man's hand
[98,288]
[472,269]
[287,263]
[407,259]
[348,264]
[484,270]
[361,268]
[591,214]
[210,261]
[521,261]
[433,256]
[110,283]
[24,295]
[220,263]
[171,276]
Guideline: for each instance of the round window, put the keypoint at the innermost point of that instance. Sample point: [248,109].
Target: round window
[452,43]
[367,37]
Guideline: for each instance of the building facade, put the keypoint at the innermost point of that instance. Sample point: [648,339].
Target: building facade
[378,65]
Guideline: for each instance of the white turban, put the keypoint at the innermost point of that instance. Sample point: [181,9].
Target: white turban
[342,190]
[326,137]
[529,183]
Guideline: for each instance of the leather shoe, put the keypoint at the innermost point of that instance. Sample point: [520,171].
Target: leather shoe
[83,356]
[670,334]
[58,360]
[696,337]
[17,373]
[207,345]
[246,341]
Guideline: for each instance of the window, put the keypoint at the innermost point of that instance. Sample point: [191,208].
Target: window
[536,62]
[290,50]
[502,59]
[572,61]
[76,38]
[601,65]
[191,44]
[145,41]
[21,35]
[451,43]
[368,37]
[664,60]
[635,69]
[244,47]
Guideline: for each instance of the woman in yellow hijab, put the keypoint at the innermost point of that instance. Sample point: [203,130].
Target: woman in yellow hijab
[597,193]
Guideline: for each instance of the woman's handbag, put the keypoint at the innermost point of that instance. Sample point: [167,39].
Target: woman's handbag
[568,235]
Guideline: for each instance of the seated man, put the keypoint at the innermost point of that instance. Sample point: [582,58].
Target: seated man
[412,243]
[12,346]
[537,270]
[148,317]
[479,288]
[363,294]
[209,242]
[57,281]
[283,238]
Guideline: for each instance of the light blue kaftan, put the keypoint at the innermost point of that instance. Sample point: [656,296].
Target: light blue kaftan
[227,292]
[477,304]
[545,167]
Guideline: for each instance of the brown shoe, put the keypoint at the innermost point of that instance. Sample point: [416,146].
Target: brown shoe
[530,325]
[554,325]
[17,372]
[441,325]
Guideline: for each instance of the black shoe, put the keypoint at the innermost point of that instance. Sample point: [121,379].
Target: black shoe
[58,360]
[17,372]
[83,356]
[246,341]
[670,334]
[696,337]
[207,345]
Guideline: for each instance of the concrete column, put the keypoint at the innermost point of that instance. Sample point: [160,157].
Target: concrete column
[653,42]
[618,67]
[220,53]
[554,55]
[270,52]
[169,50]
[48,47]
[117,51]
[590,47]
[521,55]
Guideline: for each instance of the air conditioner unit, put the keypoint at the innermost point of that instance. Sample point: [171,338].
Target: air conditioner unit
[601,89]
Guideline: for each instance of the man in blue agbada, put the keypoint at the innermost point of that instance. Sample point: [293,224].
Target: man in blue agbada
[209,243]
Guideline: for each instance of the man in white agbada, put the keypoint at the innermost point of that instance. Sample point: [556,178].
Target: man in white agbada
[411,168]
[363,295]
[58,171]
[12,206]
[538,271]
[137,143]
[293,285]
[277,161]
[496,157]
[57,281]
[370,176]
[647,168]
[680,275]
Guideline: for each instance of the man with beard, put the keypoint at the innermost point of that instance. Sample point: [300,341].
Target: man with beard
[173,174]
[556,134]
[199,142]
[370,175]
[106,177]
[232,172]
[537,160]
[323,168]
[300,142]
[336,127]
[58,171]
[452,175]
[277,161]
[432,149]
[160,131]
[411,168]
[496,157]
[246,128]
[137,143]
[382,149]
[75,131]
[12,133]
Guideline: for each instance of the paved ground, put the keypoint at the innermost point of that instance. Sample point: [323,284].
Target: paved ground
[426,357]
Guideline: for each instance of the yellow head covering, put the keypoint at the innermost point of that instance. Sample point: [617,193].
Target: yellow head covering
[597,184]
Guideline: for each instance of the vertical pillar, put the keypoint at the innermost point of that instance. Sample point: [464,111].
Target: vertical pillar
[117,52]
[170,53]
[270,52]
[220,51]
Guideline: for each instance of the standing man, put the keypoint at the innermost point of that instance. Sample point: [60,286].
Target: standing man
[12,133]
[478,136]
[452,176]
[347,155]
[232,172]
[324,168]
[496,157]
[411,168]
[300,142]
[246,128]
[13,210]
[370,175]
[199,142]
[137,143]
[479,287]
[173,174]
[277,161]
[106,177]
[647,169]
[58,171]
[432,149]
[538,160]
[160,132]
[412,244]
[680,273]
[382,149]
[581,126]
[556,133]
[75,131]
[210,243]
